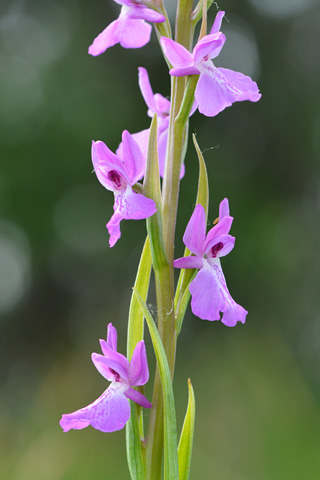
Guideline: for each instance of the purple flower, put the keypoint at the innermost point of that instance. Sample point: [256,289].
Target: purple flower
[111,411]
[160,105]
[119,176]
[130,29]
[209,291]
[217,88]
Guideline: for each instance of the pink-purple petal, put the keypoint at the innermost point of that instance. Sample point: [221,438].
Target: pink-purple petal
[177,54]
[188,262]
[195,234]
[206,301]
[133,158]
[209,46]
[110,412]
[137,397]
[242,86]
[232,311]
[145,88]
[134,33]
[138,368]
[114,361]
[184,71]
[112,337]
[222,228]
[113,227]
[212,93]
[225,244]
[106,39]
[144,13]
[217,23]
[134,206]
[224,210]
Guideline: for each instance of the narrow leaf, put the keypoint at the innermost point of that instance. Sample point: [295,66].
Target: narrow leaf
[171,471]
[151,188]
[135,334]
[186,275]
[186,437]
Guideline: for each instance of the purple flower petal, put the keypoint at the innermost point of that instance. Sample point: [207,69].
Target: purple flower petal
[209,46]
[207,301]
[108,167]
[177,54]
[188,262]
[144,13]
[183,71]
[219,246]
[134,33]
[195,234]
[137,397]
[138,369]
[113,227]
[134,206]
[222,228]
[115,361]
[145,88]
[232,311]
[110,412]
[212,93]
[112,337]
[106,39]
[224,210]
[133,158]
[217,23]
[245,88]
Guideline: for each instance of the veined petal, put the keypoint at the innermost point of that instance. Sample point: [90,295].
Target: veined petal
[133,159]
[188,262]
[114,361]
[177,54]
[207,301]
[217,23]
[212,93]
[195,234]
[137,397]
[143,13]
[222,228]
[244,87]
[106,39]
[224,210]
[145,88]
[232,311]
[138,368]
[133,33]
[110,412]
[209,46]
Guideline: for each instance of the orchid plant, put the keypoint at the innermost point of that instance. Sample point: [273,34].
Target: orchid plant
[154,153]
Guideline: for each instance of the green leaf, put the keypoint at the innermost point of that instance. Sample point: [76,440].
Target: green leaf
[134,427]
[151,189]
[186,437]
[186,275]
[171,470]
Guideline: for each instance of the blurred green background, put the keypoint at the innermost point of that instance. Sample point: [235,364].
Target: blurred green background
[257,386]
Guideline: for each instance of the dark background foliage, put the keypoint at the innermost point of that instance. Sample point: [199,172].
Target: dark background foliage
[257,386]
